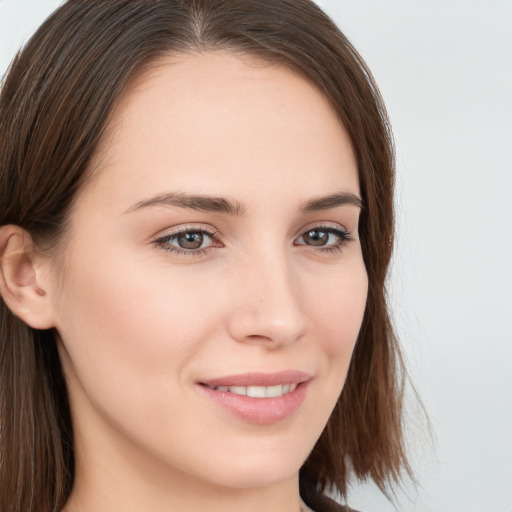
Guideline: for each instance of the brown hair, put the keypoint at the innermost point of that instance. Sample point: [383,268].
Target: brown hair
[54,105]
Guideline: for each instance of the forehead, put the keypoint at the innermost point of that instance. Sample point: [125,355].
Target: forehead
[198,121]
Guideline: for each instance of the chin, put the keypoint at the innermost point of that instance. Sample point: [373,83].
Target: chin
[260,466]
[247,477]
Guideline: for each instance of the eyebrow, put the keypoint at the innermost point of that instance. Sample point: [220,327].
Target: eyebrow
[235,208]
[193,202]
[332,201]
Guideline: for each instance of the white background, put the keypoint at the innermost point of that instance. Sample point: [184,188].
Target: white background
[445,71]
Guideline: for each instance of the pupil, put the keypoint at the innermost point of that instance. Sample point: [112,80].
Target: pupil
[190,240]
[316,237]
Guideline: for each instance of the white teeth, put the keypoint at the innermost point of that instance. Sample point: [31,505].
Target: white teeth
[258,391]
[274,391]
[238,390]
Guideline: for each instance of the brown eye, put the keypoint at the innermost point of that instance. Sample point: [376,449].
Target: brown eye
[190,240]
[325,238]
[316,237]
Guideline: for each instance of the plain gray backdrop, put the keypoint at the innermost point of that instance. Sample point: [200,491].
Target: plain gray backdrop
[445,71]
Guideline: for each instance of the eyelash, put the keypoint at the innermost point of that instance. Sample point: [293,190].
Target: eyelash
[163,242]
[343,238]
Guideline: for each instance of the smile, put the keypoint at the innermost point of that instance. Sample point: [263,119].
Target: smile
[258,398]
[257,391]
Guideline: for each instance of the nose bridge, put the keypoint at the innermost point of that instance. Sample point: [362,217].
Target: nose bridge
[269,304]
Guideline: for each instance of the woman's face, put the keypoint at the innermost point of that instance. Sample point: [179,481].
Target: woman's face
[214,252]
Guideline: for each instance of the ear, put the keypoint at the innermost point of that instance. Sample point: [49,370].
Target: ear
[22,279]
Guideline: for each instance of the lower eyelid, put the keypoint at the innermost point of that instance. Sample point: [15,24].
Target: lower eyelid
[179,251]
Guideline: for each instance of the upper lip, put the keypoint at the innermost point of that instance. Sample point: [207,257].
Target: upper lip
[259,379]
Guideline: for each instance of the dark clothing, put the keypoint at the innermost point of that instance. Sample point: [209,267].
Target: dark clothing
[319,502]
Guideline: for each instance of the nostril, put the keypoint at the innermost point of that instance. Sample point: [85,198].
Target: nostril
[257,337]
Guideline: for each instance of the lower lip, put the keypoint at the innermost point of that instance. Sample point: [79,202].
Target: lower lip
[262,411]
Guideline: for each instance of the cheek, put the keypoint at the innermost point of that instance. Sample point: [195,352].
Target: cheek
[339,315]
[131,334]
[340,308]
[123,322]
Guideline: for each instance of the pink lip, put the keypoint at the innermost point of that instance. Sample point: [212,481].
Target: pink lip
[262,411]
[259,379]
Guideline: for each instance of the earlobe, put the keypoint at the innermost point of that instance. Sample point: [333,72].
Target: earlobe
[21,279]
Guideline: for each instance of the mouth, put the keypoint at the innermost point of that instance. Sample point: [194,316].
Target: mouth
[258,398]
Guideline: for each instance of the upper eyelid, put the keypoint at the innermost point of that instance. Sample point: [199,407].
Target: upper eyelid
[324,224]
[340,232]
[212,234]
[169,232]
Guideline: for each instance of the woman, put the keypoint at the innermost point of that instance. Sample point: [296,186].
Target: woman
[196,227]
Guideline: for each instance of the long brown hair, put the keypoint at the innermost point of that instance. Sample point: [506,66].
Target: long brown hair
[54,105]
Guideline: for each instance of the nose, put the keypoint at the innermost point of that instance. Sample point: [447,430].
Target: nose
[268,305]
